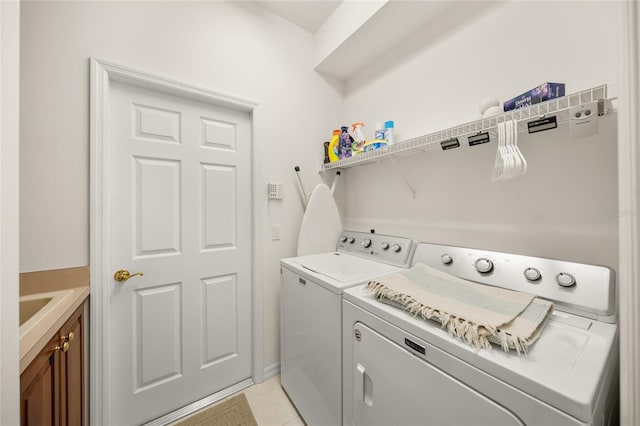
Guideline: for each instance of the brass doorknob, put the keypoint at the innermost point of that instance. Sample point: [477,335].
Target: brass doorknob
[69,337]
[123,275]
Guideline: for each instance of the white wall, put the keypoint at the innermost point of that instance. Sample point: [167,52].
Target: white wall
[565,207]
[233,47]
[9,138]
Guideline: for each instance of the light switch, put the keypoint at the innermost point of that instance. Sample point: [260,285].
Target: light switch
[275,232]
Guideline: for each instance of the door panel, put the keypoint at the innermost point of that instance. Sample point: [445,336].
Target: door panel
[72,371]
[219,219]
[158,335]
[180,212]
[38,387]
[157,213]
[218,134]
[220,319]
[156,124]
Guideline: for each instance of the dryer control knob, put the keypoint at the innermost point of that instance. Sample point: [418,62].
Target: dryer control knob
[446,259]
[352,240]
[366,242]
[565,280]
[396,248]
[532,274]
[384,245]
[343,239]
[484,265]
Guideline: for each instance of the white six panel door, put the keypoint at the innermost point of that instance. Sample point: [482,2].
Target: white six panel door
[180,212]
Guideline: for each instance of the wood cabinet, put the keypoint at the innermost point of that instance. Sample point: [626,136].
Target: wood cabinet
[37,386]
[52,386]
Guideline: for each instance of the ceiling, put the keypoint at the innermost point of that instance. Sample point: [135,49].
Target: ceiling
[307,14]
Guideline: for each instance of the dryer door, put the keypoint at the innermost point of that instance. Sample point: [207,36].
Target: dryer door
[392,386]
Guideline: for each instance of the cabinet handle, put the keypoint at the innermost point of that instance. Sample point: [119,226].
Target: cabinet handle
[63,348]
[69,337]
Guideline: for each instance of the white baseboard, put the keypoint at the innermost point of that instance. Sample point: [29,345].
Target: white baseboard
[271,371]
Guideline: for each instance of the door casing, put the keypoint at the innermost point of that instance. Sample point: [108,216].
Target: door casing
[102,74]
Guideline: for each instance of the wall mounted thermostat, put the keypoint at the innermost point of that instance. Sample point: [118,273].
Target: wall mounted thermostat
[275,190]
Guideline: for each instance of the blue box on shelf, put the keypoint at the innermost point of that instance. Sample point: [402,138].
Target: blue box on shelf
[542,93]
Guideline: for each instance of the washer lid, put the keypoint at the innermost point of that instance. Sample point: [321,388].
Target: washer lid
[340,270]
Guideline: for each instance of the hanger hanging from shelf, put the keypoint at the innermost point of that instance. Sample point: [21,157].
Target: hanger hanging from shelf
[509,160]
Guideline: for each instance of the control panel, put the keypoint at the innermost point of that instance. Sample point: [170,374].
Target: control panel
[586,290]
[397,251]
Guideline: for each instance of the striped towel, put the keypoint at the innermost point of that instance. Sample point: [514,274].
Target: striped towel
[475,313]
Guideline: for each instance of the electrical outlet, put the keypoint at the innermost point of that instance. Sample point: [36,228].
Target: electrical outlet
[275,232]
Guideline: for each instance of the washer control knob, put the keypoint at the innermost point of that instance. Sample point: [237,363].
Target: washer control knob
[532,274]
[565,280]
[446,259]
[484,265]
[366,242]
[352,240]
[384,245]
[396,248]
[343,239]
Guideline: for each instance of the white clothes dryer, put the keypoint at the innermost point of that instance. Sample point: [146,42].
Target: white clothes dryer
[402,370]
[311,317]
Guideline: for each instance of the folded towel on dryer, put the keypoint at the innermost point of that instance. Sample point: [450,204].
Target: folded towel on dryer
[476,313]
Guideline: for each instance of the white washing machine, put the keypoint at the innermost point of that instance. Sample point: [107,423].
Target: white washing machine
[402,370]
[311,317]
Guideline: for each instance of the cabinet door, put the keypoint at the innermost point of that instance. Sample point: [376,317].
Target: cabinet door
[71,370]
[38,386]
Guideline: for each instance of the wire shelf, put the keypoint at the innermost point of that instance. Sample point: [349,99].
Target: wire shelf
[558,107]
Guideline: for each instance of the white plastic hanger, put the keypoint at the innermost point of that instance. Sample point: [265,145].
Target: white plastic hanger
[509,159]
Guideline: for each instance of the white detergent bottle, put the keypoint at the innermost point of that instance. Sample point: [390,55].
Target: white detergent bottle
[379,134]
[358,141]
[388,132]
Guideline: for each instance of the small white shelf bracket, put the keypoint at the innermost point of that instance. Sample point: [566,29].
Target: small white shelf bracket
[402,176]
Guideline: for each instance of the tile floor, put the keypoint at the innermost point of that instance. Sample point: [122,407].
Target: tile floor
[270,405]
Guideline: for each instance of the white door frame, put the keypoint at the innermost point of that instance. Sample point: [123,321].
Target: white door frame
[9,216]
[102,73]
[629,214]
